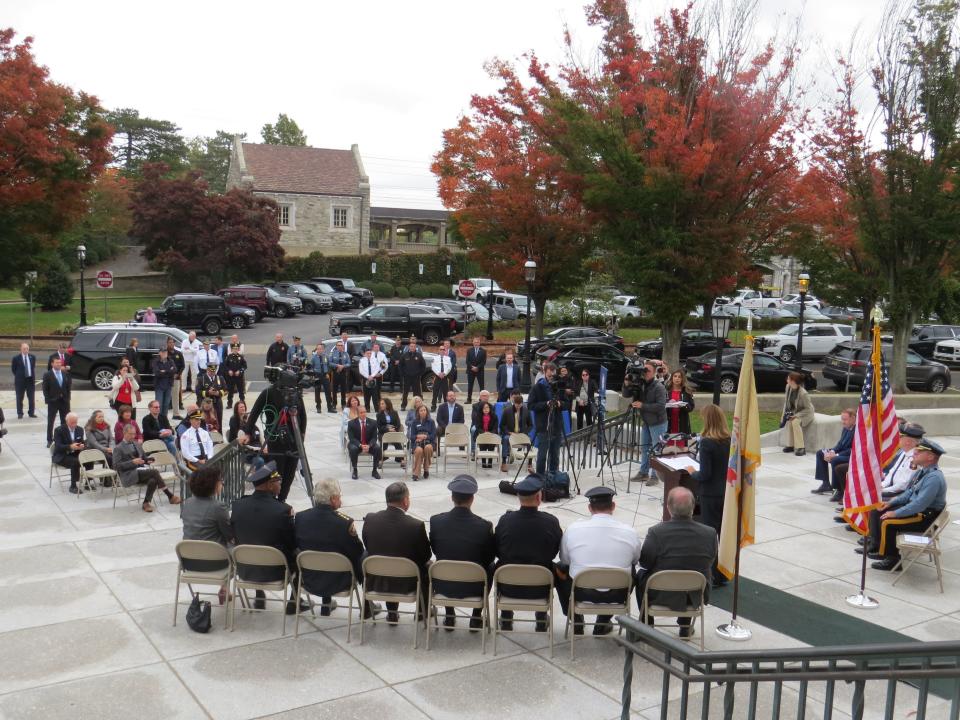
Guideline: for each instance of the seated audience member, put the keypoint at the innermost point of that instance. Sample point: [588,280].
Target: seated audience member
[449,413]
[157,427]
[236,424]
[896,479]
[196,446]
[912,511]
[423,441]
[487,423]
[836,458]
[677,544]
[326,529]
[362,439]
[527,537]
[388,420]
[184,424]
[598,541]
[459,534]
[133,467]
[515,419]
[125,417]
[394,533]
[68,441]
[206,518]
[261,519]
[99,436]
[475,411]
[210,419]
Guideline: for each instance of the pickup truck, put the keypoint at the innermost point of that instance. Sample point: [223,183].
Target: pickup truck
[393,320]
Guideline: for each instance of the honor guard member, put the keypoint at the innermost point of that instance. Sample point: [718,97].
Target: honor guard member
[213,386]
[234,368]
[442,368]
[913,510]
[277,352]
[527,537]
[597,541]
[392,378]
[340,363]
[412,367]
[196,446]
[176,398]
[462,535]
[381,362]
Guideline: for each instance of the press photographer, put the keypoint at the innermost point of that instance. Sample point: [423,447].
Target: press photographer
[649,398]
[545,402]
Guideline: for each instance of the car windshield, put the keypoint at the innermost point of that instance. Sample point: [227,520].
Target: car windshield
[789,329]
[556,333]
[272,293]
[166,302]
[323,287]
[300,288]
[347,283]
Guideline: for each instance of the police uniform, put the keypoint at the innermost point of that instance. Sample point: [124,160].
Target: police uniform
[327,530]
[195,444]
[213,387]
[234,367]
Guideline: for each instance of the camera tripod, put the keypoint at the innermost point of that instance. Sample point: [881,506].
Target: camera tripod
[285,422]
[571,462]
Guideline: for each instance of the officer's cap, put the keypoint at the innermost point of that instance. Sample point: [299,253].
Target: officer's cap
[913,430]
[530,485]
[264,474]
[934,447]
[600,494]
[195,415]
[463,484]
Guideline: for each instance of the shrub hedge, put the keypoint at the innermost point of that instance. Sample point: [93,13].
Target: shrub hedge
[397,270]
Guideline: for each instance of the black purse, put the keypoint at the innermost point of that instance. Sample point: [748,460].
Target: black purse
[198,615]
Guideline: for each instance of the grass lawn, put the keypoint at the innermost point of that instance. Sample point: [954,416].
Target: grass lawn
[15,319]
[630,336]
[769,421]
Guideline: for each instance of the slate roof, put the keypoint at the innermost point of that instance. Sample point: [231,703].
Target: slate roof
[317,171]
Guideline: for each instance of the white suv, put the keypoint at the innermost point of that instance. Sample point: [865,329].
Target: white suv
[755,299]
[818,340]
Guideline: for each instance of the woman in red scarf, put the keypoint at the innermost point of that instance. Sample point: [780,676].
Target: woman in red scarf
[679,406]
[125,417]
[488,423]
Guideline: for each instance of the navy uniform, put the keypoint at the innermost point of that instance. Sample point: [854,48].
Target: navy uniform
[233,369]
[213,387]
[527,537]
[461,535]
[327,530]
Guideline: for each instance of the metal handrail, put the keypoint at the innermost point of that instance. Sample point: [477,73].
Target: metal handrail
[620,437]
[230,460]
[889,662]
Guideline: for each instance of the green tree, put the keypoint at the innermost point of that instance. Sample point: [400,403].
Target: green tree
[138,140]
[103,229]
[211,156]
[54,289]
[284,132]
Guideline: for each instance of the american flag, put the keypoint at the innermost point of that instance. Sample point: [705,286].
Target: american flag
[875,441]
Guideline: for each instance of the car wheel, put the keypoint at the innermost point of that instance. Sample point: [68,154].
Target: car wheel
[937,384]
[431,336]
[426,382]
[840,384]
[309,308]
[102,377]
[349,330]
[211,327]
[772,306]
[238,322]
[281,311]
[787,353]
[728,384]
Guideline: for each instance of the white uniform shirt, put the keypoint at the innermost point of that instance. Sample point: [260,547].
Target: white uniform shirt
[899,474]
[190,448]
[599,541]
[441,365]
[369,368]
[190,350]
[207,357]
[379,362]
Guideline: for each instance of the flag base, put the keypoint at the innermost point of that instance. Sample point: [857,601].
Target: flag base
[862,601]
[734,631]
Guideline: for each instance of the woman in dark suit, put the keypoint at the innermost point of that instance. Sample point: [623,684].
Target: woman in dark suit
[423,439]
[584,396]
[388,420]
[711,478]
[487,422]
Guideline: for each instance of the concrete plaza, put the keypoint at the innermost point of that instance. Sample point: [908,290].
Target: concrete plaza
[86,590]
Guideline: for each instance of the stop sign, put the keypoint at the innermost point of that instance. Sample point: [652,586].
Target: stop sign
[467,288]
[105,279]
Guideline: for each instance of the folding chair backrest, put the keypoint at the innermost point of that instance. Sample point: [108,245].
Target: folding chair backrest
[216,437]
[456,434]
[317,561]
[163,457]
[92,456]
[259,556]
[152,446]
[457,571]
[604,579]
[488,438]
[202,550]
[386,566]
[689,581]
[393,437]
[938,525]
[527,575]
[519,440]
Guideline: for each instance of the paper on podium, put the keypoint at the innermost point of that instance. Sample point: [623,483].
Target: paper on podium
[679,462]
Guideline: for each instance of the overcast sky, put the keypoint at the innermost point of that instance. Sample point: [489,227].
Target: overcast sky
[387,75]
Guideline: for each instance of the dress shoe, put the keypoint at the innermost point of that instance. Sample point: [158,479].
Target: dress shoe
[885,563]
[503,467]
[292,607]
[541,622]
[850,528]
[476,621]
[602,628]
[415,477]
[353,474]
[839,519]
[370,610]
[19,417]
[686,631]
[788,449]
[75,490]
[33,415]
[719,582]
[426,474]
[506,626]
[331,410]
[836,497]
[49,443]
[174,499]
[393,618]
[651,481]
[824,488]
[260,604]
[375,475]
[147,507]
[577,625]
[327,608]
[871,553]
[450,622]
[799,453]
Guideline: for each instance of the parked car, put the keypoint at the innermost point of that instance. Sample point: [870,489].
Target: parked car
[839,314]
[771,314]
[391,320]
[313,301]
[241,317]
[819,339]
[363,296]
[692,342]
[481,311]
[626,305]
[770,373]
[508,304]
[756,298]
[846,366]
[810,314]
[924,338]
[575,355]
[483,286]
[811,301]
[208,313]
[342,300]
[97,350]
[355,348]
[568,334]
[262,300]
[451,307]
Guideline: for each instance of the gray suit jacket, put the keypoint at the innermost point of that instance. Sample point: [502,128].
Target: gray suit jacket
[206,518]
[677,545]
[123,455]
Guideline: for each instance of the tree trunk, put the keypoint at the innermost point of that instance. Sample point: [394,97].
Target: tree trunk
[867,307]
[707,322]
[671,331]
[898,363]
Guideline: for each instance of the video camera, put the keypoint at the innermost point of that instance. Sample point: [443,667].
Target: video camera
[633,375]
[289,377]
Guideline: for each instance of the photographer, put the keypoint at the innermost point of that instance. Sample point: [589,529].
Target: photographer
[649,397]
[545,405]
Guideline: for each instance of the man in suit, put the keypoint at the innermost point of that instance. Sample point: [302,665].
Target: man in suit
[221,350]
[133,468]
[412,367]
[677,544]
[836,458]
[157,427]
[213,386]
[62,354]
[508,378]
[394,533]
[325,529]
[362,438]
[24,369]
[56,394]
[67,443]
[527,537]
[476,364]
[176,396]
[461,535]
[548,419]
[514,419]
[448,413]
[370,342]
[261,519]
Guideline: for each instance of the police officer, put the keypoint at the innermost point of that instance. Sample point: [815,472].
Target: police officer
[277,352]
[297,353]
[211,385]
[412,367]
[234,367]
[340,363]
[321,371]
[527,537]
[459,534]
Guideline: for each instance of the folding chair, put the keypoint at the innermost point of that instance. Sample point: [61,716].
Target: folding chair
[494,455]
[248,557]
[216,437]
[597,579]
[687,581]
[458,431]
[329,562]
[526,576]
[397,568]
[101,471]
[521,446]
[913,547]
[163,459]
[457,444]
[210,554]
[152,446]
[461,572]
[58,471]
[388,452]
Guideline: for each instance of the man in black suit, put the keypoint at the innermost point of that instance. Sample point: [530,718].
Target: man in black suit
[67,444]
[62,354]
[412,368]
[261,519]
[476,364]
[461,535]
[527,537]
[362,438]
[508,378]
[514,419]
[394,533]
[24,369]
[677,544]
[449,413]
[56,394]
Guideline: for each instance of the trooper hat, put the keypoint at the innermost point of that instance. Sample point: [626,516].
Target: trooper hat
[530,485]
[258,477]
[463,484]
[934,447]
[600,494]
[913,430]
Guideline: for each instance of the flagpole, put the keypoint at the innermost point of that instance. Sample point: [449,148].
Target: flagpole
[734,630]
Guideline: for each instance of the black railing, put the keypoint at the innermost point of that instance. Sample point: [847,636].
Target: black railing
[230,460]
[874,671]
[589,447]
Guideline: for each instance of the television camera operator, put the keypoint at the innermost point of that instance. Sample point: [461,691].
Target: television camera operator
[545,403]
[648,396]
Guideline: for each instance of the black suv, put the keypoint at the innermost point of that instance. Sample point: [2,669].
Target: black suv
[342,300]
[209,313]
[364,297]
[847,363]
[96,350]
[575,355]
[313,301]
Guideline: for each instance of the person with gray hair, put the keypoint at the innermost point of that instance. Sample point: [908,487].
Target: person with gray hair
[677,544]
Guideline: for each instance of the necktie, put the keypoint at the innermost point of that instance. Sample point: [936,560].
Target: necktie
[363,433]
[516,419]
[26,365]
[59,379]
[442,371]
[202,453]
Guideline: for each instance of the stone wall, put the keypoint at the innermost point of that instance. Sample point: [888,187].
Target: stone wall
[311,224]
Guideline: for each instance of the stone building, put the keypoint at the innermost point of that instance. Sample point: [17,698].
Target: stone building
[323,194]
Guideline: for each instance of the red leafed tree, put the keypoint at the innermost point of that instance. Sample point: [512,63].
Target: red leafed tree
[53,145]
[511,196]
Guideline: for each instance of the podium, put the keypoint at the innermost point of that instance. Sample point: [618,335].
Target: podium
[672,477]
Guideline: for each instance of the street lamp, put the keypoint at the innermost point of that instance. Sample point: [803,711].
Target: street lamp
[82,256]
[529,274]
[721,326]
[804,281]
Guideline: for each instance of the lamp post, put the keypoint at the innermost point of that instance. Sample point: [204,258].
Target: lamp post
[721,326]
[529,274]
[82,256]
[804,281]
[490,311]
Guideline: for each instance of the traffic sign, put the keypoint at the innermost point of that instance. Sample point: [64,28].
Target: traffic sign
[467,288]
[104,279]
